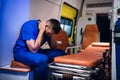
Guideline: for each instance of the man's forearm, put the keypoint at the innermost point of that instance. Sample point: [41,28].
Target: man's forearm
[38,41]
[34,45]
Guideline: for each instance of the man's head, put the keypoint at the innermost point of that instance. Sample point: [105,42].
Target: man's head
[52,26]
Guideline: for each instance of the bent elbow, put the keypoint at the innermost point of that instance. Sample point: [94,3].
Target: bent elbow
[32,46]
[33,49]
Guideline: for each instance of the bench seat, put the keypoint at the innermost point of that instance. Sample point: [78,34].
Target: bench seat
[15,73]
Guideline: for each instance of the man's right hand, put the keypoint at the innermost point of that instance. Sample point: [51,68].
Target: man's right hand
[42,26]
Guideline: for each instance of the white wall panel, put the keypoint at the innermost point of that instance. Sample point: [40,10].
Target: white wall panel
[83,20]
[44,9]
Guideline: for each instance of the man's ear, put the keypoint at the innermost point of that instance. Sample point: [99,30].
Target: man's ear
[46,26]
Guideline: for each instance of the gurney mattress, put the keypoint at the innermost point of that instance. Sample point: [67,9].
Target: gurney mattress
[91,56]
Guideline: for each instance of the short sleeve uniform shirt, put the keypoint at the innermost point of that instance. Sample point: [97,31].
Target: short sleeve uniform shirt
[29,30]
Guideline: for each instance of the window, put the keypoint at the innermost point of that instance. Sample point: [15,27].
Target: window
[66,24]
[68,20]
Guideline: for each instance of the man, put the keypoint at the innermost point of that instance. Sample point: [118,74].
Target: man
[27,50]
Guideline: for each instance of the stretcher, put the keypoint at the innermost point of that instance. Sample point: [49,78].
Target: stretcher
[86,65]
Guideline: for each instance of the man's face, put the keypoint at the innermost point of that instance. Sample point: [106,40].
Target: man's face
[49,31]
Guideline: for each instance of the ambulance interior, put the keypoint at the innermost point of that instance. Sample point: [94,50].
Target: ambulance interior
[89,25]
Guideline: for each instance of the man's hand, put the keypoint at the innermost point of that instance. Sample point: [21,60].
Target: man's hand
[42,26]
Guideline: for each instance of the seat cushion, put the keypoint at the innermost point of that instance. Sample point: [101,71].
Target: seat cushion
[100,44]
[16,64]
[61,39]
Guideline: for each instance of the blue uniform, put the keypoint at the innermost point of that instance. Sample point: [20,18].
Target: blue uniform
[117,47]
[39,61]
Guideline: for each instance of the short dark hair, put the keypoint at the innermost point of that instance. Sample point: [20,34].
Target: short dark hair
[55,25]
